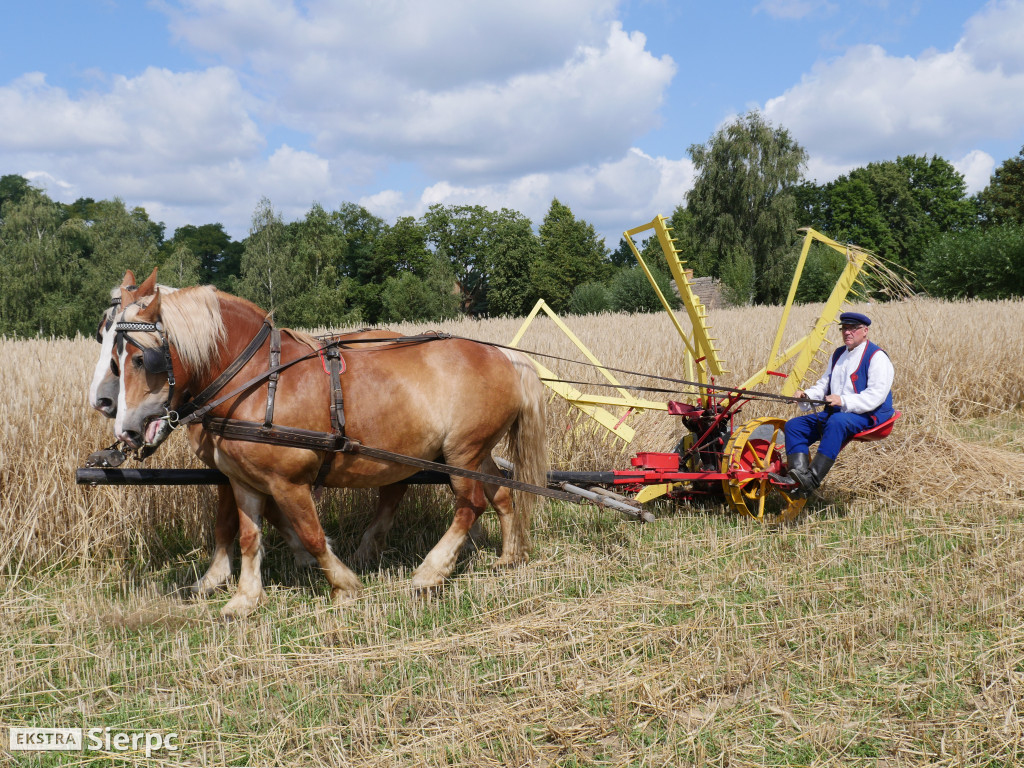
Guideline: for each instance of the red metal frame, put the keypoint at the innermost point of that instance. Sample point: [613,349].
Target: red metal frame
[655,468]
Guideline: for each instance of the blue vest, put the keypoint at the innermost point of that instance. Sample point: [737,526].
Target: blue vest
[859,378]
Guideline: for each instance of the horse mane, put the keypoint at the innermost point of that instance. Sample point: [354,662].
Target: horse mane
[303,338]
[192,319]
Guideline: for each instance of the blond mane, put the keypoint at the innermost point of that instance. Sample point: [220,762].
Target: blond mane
[191,317]
[303,338]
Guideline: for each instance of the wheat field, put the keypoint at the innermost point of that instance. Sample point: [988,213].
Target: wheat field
[885,627]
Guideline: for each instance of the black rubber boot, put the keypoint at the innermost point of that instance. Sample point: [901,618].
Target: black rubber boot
[798,468]
[819,468]
[798,472]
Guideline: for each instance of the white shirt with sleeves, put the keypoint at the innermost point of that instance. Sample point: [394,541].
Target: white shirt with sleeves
[880,378]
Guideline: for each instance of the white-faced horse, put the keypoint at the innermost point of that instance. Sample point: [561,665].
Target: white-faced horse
[103,391]
[451,398]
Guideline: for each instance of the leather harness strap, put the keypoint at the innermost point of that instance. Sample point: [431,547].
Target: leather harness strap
[293,437]
[337,398]
[275,361]
[334,369]
[199,406]
[289,437]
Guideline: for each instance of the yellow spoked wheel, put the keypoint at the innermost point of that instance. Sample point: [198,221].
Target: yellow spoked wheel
[757,447]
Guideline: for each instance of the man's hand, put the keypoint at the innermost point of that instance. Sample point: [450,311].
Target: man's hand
[834,400]
[801,395]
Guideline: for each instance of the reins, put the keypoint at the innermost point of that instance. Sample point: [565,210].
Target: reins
[747,394]
[726,391]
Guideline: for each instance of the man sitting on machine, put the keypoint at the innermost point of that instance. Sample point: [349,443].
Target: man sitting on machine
[857,388]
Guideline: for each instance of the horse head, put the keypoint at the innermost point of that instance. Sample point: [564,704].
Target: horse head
[145,386]
[103,387]
[166,344]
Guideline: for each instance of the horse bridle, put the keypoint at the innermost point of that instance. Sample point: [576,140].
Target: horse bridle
[154,359]
[158,360]
[108,316]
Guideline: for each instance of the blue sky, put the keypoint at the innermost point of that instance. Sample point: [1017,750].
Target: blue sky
[196,109]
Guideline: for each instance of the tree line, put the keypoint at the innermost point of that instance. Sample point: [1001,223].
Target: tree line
[347,266]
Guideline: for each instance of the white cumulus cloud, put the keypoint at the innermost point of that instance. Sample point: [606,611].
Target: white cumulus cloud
[869,105]
[612,196]
[977,168]
[468,90]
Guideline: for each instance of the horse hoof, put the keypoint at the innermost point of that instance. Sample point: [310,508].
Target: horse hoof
[365,558]
[305,562]
[507,561]
[344,598]
[201,589]
[239,607]
[426,594]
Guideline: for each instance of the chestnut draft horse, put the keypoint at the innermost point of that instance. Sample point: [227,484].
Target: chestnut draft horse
[103,397]
[449,398]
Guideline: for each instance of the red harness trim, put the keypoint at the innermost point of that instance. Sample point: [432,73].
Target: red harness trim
[323,363]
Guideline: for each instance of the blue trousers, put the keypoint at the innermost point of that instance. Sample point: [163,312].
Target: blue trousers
[832,429]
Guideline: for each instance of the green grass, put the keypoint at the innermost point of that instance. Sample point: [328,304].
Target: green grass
[876,637]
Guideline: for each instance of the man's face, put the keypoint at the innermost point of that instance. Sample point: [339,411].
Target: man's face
[853,335]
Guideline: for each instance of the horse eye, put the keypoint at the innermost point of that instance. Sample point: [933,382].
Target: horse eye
[114,369]
[137,361]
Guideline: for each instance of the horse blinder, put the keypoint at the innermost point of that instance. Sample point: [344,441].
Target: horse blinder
[154,360]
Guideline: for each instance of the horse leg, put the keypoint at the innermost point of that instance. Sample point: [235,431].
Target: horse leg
[225,529]
[439,563]
[296,503]
[372,542]
[514,541]
[302,557]
[250,580]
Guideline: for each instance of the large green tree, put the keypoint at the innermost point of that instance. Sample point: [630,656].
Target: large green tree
[39,269]
[425,296]
[1002,201]
[570,254]
[269,275]
[895,207]
[180,267]
[400,251]
[982,263]
[114,239]
[461,235]
[513,251]
[13,189]
[220,258]
[743,205]
[361,230]
[317,244]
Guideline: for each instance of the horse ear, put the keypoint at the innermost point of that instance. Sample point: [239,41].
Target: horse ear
[129,279]
[148,288]
[151,312]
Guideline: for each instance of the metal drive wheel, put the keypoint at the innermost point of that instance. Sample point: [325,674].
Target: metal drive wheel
[757,447]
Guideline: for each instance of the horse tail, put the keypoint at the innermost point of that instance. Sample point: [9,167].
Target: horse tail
[527,443]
